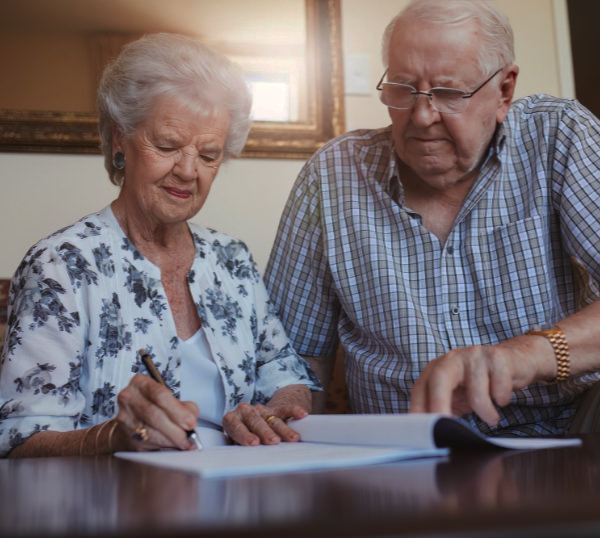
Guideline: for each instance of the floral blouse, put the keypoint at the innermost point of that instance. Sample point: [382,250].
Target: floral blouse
[84,301]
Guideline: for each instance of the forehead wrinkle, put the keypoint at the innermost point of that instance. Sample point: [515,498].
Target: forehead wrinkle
[184,134]
[434,59]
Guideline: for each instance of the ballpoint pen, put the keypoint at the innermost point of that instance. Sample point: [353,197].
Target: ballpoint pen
[155,374]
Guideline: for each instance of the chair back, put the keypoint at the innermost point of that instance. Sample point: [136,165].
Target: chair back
[4,285]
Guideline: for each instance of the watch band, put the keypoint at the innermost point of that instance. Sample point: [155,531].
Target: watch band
[561,351]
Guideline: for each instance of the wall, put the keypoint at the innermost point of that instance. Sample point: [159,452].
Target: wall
[41,193]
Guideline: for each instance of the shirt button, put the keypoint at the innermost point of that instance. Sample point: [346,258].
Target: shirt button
[450,249]
[456,311]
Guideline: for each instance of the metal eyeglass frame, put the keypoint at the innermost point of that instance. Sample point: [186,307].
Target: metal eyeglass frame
[414,92]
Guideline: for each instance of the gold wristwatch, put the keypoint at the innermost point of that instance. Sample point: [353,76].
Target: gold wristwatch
[561,351]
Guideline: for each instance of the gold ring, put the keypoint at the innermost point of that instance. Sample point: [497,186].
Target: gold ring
[140,433]
[270,419]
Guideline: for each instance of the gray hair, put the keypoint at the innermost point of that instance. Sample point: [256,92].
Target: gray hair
[496,32]
[173,65]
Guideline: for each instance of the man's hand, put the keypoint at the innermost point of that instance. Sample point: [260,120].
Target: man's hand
[477,378]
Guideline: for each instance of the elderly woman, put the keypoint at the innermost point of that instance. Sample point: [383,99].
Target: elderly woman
[138,278]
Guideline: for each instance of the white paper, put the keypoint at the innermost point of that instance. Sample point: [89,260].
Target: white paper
[390,430]
[335,441]
[532,443]
[285,457]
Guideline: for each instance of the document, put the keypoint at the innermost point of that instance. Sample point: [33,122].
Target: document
[415,431]
[336,441]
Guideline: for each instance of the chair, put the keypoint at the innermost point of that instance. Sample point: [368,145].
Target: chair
[338,401]
[587,419]
[4,284]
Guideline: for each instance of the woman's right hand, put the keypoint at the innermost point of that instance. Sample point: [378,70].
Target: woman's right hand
[151,418]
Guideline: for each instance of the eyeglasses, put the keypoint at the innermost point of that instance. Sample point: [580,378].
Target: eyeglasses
[444,100]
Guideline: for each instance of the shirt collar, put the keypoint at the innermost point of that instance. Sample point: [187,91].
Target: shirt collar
[391,183]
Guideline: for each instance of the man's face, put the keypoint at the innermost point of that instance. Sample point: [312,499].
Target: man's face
[444,150]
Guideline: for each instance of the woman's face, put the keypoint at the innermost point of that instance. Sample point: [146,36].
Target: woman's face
[171,162]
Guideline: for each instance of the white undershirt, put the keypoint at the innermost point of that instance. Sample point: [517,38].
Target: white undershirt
[201,382]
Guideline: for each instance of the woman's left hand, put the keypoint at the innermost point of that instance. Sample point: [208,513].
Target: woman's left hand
[267,424]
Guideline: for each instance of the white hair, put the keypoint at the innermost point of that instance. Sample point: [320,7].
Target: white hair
[173,65]
[496,32]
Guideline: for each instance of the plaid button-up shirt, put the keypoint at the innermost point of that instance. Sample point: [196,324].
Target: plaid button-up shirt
[352,262]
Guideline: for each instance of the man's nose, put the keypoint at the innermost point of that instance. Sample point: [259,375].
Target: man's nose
[423,112]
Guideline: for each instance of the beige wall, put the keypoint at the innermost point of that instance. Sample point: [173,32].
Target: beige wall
[41,193]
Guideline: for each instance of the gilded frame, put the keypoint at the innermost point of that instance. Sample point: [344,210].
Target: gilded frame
[64,132]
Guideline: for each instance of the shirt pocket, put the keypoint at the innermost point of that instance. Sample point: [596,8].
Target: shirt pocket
[511,265]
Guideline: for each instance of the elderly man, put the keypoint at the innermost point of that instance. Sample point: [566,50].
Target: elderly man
[430,249]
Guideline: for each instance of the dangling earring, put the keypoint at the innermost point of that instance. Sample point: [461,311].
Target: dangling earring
[119,160]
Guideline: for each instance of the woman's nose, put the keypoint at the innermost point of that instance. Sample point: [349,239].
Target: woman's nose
[185,165]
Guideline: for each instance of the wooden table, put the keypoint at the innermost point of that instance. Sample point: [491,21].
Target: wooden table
[554,492]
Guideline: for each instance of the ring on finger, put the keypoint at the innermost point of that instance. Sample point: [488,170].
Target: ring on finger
[270,419]
[140,433]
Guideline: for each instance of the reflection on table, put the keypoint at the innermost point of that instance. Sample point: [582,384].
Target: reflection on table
[548,492]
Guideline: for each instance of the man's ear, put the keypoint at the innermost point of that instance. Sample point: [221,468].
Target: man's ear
[507,90]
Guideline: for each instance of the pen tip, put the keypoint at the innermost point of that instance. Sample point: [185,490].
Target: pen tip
[196,441]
